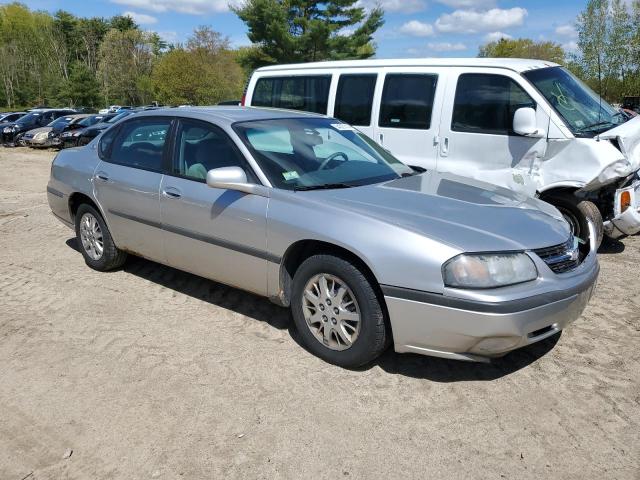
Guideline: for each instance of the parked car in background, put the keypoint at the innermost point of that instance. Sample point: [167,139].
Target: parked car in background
[631,103]
[229,102]
[527,125]
[70,133]
[311,213]
[49,136]
[12,132]
[109,109]
[10,117]
[92,132]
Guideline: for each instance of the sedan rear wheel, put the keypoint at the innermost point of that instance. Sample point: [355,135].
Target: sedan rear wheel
[97,246]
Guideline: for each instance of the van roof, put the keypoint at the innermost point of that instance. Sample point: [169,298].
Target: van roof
[515,64]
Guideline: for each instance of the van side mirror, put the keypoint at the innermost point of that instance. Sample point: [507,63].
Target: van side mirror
[525,123]
[234,178]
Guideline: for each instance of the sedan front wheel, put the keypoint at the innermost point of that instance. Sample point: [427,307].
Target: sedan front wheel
[337,311]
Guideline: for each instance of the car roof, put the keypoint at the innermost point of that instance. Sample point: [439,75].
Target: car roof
[227,114]
[515,64]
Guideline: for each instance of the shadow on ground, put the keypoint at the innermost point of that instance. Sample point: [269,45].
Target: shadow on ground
[261,309]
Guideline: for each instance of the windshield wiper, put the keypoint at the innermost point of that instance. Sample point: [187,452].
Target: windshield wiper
[595,125]
[323,186]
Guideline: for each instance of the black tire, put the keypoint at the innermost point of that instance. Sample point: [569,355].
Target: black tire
[112,257]
[374,335]
[578,212]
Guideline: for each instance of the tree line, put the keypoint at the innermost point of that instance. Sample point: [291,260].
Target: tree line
[63,60]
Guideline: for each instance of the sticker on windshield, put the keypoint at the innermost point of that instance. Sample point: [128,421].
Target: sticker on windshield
[292,175]
[343,127]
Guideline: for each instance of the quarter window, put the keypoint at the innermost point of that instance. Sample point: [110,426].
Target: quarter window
[307,93]
[201,147]
[140,143]
[407,101]
[485,103]
[354,99]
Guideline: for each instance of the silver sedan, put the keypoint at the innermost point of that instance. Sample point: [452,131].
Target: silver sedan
[304,209]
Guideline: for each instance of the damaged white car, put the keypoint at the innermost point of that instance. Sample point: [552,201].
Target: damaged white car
[528,125]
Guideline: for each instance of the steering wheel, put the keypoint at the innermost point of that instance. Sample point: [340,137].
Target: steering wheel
[333,157]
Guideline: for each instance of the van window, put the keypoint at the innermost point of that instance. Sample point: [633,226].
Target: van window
[308,93]
[354,99]
[407,101]
[485,103]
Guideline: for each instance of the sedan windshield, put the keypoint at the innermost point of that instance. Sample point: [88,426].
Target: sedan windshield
[28,118]
[580,107]
[308,153]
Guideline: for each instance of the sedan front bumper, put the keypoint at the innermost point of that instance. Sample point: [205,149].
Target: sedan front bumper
[464,329]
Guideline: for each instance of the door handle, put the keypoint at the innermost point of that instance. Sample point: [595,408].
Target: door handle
[102,176]
[444,148]
[381,139]
[171,192]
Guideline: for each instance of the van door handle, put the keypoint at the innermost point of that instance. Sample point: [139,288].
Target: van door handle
[171,192]
[444,148]
[381,139]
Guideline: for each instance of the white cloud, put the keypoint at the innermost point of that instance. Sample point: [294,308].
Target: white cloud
[169,36]
[446,46]
[192,7]
[141,18]
[567,31]
[468,3]
[417,29]
[495,36]
[473,21]
[400,6]
[571,46]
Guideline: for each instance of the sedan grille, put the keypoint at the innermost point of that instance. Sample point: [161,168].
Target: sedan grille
[561,258]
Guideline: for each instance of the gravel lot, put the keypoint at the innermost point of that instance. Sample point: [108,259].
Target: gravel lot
[149,372]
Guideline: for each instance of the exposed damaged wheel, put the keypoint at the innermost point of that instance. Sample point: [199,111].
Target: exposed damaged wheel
[578,213]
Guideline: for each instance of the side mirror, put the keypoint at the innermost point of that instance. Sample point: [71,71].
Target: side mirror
[525,123]
[234,178]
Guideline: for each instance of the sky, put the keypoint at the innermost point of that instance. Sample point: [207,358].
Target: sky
[413,28]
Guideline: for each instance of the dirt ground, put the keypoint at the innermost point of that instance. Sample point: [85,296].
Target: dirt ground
[148,372]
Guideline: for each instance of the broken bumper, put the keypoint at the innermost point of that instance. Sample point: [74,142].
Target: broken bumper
[627,214]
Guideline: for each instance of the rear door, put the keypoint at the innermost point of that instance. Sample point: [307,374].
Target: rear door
[127,183]
[217,233]
[408,107]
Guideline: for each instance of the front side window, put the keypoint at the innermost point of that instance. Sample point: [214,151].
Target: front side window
[354,98]
[306,93]
[140,143]
[486,103]
[407,101]
[581,108]
[303,153]
[201,147]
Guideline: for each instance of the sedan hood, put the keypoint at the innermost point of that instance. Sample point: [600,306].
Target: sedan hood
[39,130]
[464,213]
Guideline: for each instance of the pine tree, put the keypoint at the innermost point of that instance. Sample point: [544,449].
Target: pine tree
[290,31]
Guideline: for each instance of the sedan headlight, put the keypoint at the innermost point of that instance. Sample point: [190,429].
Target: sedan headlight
[488,270]
[40,136]
[7,130]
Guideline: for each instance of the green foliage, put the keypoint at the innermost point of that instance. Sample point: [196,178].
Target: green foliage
[609,46]
[202,73]
[523,48]
[80,89]
[288,31]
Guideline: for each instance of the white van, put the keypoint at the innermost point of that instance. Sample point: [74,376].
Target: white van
[528,125]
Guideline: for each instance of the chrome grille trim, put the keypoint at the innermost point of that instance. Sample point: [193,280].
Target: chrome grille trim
[561,258]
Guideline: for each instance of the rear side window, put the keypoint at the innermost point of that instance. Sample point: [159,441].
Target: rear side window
[485,103]
[354,99]
[104,147]
[140,143]
[307,93]
[407,101]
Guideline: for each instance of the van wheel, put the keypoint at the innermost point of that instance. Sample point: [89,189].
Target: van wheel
[95,242]
[578,212]
[337,312]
